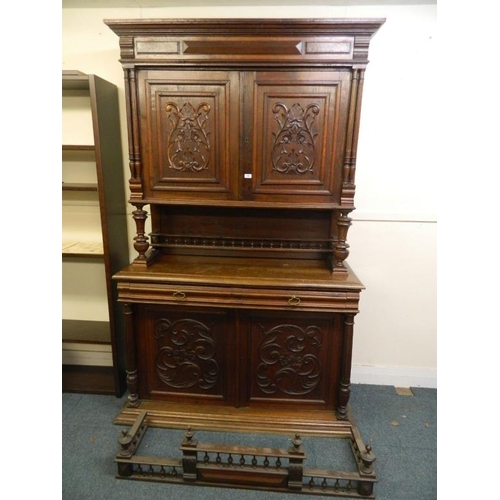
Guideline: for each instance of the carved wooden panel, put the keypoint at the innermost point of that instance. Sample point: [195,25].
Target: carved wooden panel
[293,359]
[298,134]
[238,357]
[187,138]
[187,354]
[292,49]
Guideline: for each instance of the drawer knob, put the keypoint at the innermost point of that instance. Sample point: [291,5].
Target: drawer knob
[178,295]
[294,300]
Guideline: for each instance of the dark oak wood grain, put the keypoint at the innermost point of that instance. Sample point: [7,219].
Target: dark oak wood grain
[240,304]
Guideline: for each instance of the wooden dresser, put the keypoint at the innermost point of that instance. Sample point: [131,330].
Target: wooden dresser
[240,304]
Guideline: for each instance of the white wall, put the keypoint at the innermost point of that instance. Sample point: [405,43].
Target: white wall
[393,236]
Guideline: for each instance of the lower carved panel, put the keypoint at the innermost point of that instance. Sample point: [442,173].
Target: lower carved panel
[239,358]
[184,354]
[290,361]
[293,359]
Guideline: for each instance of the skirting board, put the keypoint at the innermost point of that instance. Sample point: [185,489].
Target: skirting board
[398,376]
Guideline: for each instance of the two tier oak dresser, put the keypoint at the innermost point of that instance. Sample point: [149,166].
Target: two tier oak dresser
[240,304]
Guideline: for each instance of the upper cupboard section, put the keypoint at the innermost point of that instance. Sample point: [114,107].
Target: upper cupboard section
[242,136]
[239,111]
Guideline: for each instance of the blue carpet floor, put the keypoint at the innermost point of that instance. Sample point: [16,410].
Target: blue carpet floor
[402,431]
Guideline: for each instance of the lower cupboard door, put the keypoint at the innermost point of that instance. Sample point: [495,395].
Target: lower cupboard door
[184,355]
[293,360]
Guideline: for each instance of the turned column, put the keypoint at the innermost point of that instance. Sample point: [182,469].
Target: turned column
[141,241]
[341,247]
[348,187]
[346,363]
[296,464]
[131,359]
[189,456]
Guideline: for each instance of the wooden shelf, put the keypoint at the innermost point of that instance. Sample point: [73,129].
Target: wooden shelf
[82,249]
[79,152]
[79,186]
[75,80]
[88,379]
[81,338]
[83,331]
[78,147]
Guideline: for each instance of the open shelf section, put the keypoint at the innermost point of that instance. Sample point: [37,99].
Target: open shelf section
[79,186]
[80,249]
[78,147]
[93,192]
[79,168]
[75,80]
[78,331]
[88,379]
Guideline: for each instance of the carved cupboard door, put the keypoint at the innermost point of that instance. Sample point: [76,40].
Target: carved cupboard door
[186,355]
[189,133]
[239,358]
[296,125]
[292,359]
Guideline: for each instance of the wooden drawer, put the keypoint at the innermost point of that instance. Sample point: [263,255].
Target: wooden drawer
[300,300]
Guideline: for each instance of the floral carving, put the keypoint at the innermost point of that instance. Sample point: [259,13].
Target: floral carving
[186,355]
[289,361]
[294,143]
[188,144]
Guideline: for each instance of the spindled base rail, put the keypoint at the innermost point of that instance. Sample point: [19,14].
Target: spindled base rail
[270,469]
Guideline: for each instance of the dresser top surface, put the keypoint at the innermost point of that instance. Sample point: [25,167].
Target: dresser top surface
[251,273]
[250,23]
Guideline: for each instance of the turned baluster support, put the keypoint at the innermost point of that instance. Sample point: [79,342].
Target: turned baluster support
[129,441]
[341,247]
[367,459]
[126,451]
[189,456]
[296,464]
[365,488]
[131,362]
[141,241]
[345,374]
